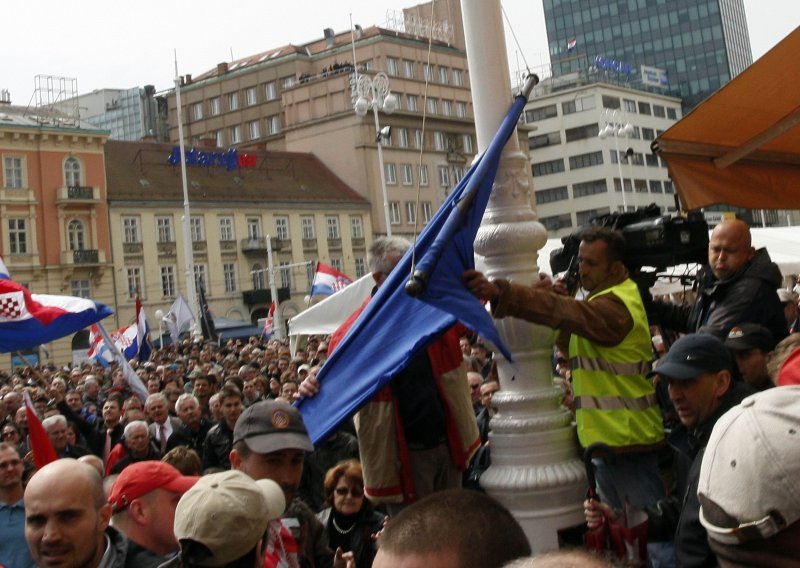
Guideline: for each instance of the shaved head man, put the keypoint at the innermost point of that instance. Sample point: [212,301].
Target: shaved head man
[729,248]
[66,518]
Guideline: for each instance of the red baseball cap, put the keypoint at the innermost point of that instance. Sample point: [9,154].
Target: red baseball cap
[140,478]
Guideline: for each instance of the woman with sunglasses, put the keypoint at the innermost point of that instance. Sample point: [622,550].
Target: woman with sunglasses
[350,520]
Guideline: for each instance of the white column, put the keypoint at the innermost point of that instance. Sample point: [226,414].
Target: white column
[535,469]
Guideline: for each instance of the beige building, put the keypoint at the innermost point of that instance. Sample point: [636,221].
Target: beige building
[300,98]
[237,200]
[54,234]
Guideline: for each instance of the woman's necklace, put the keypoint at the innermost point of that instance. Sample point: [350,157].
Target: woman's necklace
[340,530]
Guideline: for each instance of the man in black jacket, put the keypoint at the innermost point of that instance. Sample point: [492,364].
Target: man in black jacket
[739,285]
[698,373]
[219,440]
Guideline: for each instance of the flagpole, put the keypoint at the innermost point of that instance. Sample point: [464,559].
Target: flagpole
[188,253]
[273,290]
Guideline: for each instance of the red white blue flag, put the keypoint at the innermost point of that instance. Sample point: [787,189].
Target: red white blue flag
[328,280]
[28,320]
[571,44]
[131,340]
[268,324]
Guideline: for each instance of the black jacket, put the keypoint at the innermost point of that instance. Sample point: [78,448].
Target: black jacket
[217,446]
[363,546]
[678,516]
[749,296]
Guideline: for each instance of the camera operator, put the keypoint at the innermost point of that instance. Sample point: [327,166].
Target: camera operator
[610,351]
[739,285]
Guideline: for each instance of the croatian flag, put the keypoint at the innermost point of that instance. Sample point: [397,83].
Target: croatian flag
[268,327]
[571,44]
[128,340]
[328,280]
[28,320]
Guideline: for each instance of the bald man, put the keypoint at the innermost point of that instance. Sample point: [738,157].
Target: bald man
[739,285]
[66,519]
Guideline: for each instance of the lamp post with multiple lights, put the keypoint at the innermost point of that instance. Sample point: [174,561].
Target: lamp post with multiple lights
[612,124]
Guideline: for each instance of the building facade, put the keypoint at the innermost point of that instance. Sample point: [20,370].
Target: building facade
[55,233]
[578,174]
[701,44]
[238,201]
[128,114]
[300,98]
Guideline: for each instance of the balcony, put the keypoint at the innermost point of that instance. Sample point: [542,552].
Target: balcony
[334,244]
[77,194]
[309,245]
[17,195]
[131,248]
[254,297]
[166,248]
[85,256]
[227,246]
[258,245]
[199,246]
[358,244]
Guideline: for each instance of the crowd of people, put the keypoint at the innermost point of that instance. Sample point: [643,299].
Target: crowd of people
[215,467]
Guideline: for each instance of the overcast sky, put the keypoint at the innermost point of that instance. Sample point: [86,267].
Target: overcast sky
[108,45]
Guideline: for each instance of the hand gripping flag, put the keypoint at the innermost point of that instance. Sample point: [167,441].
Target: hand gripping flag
[27,320]
[328,280]
[394,325]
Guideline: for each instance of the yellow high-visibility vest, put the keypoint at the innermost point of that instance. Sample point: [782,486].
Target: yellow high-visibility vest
[615,401]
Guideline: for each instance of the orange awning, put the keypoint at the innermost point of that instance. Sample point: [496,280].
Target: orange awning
[741,146]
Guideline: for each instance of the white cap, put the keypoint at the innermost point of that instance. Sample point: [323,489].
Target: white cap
[749,486]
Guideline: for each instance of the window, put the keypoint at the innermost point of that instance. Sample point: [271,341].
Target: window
[432,105]
[427,212]
[443,74]
[17,236]
[644,108]
[630,106]
[586,160]
[401,135]
[406,174]
[226,229]
[130,230]
[580,104]
[447,108]
[444,176]
[659,111]
[361,266]
[80,288]
[651,160]
[307,227]
[332,224]
[589,188]
[418,139]
[356,227]
[254,129]
[250,96]
[219,138]
[197,111]
[648,133]
[581,132]
[337,264]
[541,113]
[411,212]
[200,277]
[556,222]
[310,272]
[549,167]
[551,195]
[543,140]
[655,186]
[271,90]
[236,134]
[640,186]
[259,277]
[466,142]
[76,235]
[668,187]
[394,212]
[458,173]
[610,102]
[134,278]
[168,280]
[672,113]
[439,140]
[273,124]
[458,77]
[391,66]
[229,275]
[164,229]
[233,101]
[288,82]
[423,174]
[12,172]
[428,72]
[583,217]
[286,274]
[390,173]
[413,103]
[214,106]
[253,227]
[461,110]
[408,69]
[282,227]
[72,172]
[196,229]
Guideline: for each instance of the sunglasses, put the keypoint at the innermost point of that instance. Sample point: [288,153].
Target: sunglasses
[342,491]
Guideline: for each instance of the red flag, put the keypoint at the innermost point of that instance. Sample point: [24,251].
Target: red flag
[43,452]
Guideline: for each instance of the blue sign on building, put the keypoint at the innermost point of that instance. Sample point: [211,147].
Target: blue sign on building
[606,64]
[194,157]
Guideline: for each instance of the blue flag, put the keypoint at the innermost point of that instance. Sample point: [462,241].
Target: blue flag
[394,325]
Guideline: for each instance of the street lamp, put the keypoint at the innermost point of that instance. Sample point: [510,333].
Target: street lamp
[160,318]
[374,92]
[611,124]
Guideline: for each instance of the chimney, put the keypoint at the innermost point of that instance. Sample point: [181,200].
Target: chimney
[222,68]
[187,79]
[5,97]
[329,37]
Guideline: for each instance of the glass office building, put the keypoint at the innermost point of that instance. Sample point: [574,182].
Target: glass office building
[701,44]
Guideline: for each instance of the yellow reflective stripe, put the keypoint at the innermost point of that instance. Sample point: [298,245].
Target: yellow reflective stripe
[619,369]
[615,402]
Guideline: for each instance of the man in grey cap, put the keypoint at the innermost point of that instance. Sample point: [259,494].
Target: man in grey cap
[751,345]
[697,370]
[269,442]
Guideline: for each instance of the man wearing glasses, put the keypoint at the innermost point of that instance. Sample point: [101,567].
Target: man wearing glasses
[14,551]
